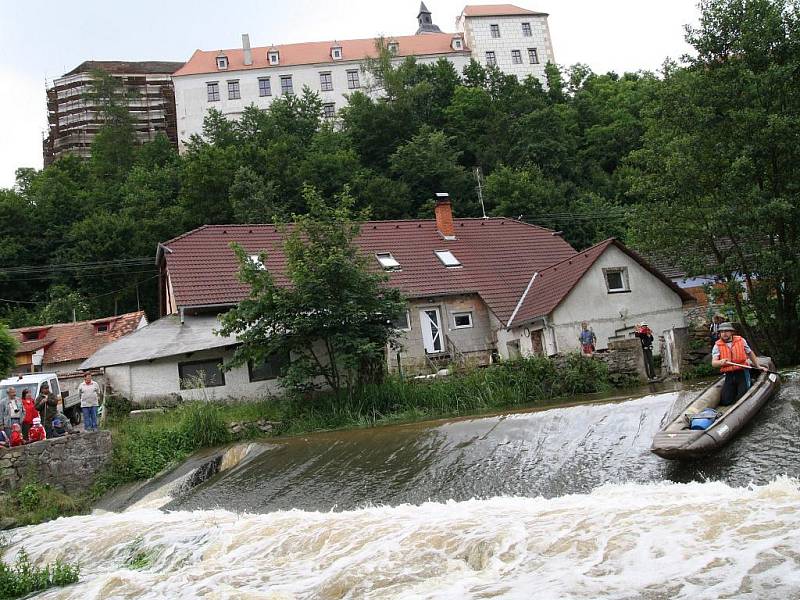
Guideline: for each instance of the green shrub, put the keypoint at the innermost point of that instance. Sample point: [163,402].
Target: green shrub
[34,503]
[116,406]
[201,425]
[22,577]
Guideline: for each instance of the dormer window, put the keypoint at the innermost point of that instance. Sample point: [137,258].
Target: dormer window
[222,63]
[394,48]
[336,52]
[101,328]
[274,57]
[388,262]
[457,44]
[448,258]
[30,336]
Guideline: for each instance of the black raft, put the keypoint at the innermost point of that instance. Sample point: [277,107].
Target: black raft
[699,432]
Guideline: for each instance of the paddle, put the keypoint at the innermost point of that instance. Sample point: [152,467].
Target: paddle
[730,362]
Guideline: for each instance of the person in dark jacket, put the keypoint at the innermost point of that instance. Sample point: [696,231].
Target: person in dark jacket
[645,335]
[47,405]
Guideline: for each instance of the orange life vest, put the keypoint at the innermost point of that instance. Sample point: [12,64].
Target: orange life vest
[736,353]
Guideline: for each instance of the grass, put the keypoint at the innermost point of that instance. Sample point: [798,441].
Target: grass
[23,578]
[34,503]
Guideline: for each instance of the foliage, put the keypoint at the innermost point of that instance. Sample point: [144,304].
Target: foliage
[334,317]
[8,350]
[34,503]
[23,578]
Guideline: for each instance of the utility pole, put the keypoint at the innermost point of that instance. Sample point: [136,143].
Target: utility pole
[478,177]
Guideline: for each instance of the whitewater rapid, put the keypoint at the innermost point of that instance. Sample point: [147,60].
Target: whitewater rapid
[621,541]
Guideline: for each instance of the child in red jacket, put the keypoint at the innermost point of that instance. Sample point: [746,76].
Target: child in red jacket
[16,435]
[36,433]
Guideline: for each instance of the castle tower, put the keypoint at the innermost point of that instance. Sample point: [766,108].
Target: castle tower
[424,19]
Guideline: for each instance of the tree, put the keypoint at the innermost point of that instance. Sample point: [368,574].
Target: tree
[329,311]
[8,351]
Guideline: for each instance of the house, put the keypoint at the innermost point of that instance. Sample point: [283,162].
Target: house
[515,40]
[477,290]
[62,347]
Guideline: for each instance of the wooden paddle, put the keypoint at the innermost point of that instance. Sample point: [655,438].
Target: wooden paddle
[730,362]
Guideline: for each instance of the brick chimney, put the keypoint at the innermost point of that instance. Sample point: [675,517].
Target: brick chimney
[247,53]
[444,216]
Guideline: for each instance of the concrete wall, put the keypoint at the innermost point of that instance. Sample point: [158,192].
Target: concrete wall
[69,463]
[613,315]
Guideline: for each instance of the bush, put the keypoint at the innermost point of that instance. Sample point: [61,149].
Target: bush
[34,503]
[116,406]
[23,578]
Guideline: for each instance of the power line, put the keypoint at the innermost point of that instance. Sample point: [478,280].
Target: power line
[31,269]
[133,285]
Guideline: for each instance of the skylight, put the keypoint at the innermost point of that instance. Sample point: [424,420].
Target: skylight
[388,262]
[447,258]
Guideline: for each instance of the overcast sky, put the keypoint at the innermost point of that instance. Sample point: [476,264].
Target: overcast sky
[43,39]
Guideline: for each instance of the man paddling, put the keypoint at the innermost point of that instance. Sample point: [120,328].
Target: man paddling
[729,355]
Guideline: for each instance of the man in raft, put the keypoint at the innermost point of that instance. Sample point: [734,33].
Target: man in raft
[727,350]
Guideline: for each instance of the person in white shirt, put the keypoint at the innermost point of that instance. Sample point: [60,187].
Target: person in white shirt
[89,395]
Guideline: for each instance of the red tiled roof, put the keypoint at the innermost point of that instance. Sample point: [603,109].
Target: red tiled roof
[77,341]
[498,257]
[497,10]
[308,53]
[553,284]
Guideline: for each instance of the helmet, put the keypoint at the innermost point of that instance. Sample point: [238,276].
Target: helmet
[726,326]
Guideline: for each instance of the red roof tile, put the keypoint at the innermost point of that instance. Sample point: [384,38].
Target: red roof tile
[308,53]
[77,341]
[498,257]
[497,10]
[551,285]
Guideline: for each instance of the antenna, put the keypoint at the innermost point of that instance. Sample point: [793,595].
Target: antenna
[478,177]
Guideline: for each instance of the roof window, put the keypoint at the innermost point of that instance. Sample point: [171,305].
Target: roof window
[388,262]
[222,62]
[448,258]
[394,48]
[336,52]
[274,57]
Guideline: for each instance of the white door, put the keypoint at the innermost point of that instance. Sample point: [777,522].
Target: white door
[431,331]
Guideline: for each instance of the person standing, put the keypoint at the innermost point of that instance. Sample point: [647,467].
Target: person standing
[89,395]
[47,405]
[29,412]
[730,355]
[13,409]
[5,421]
[587,339]
[713,328]
[645,335]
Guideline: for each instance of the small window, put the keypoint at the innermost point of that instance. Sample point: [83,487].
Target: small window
[336,52]
[54,387]
[30,336]
[402,322]
[516,57]
[233,90]
[269,368]
[213,91]
[329,110]
[457,45]
[495,29]
[201,373]
[101,328]
[448,258]
[264,87]
[222,62]
[326,81]
[617,279]
[462,320]
[393,48]
[491,60]
[352,80]
[526,29]
[274,57]
[388,262]
[533,56]
[286,85]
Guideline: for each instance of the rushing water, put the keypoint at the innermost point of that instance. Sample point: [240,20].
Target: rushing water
[563,503]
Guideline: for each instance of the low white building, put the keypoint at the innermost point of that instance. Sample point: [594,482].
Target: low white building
[515,39]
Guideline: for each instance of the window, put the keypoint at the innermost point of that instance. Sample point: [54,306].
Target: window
[352,80]
[490,58]
[388,262]
[495,29]
[201,373]
[264,87]
[30,336]
[457,44]
[233,90]
[269,368]
[222,62]
[286,85]
[101,328]
[617,279]
[336,52]
[516,57]
[393,48]
[462,320]
[526,29]
[329,110]
[274,57]
[326,82]
[448,258]
[213,91]
[402,322]
[533,56]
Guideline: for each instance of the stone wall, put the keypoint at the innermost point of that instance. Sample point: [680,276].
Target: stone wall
[625,361]
[69,463]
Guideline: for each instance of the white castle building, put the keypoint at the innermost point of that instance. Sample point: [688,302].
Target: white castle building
[516,40]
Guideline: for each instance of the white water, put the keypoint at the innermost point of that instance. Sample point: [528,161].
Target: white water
[658,541]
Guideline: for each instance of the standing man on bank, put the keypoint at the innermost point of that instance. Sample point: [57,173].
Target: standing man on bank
[89,395]
[727,350]
[645,335]
[47,405]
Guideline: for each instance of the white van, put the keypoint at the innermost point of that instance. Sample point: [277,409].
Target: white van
[33,382]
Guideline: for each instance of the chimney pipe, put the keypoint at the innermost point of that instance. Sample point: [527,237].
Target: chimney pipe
[248,55]
[444,216]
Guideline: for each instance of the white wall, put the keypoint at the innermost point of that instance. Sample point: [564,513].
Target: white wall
[615,314]
[477,34]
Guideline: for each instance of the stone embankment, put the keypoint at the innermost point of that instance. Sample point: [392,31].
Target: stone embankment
[69,463]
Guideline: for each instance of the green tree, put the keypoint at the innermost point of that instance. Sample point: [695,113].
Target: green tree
[333,317]
[8,351]
[63,306]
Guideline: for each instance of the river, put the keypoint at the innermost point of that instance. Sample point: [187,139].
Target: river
[559,503]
